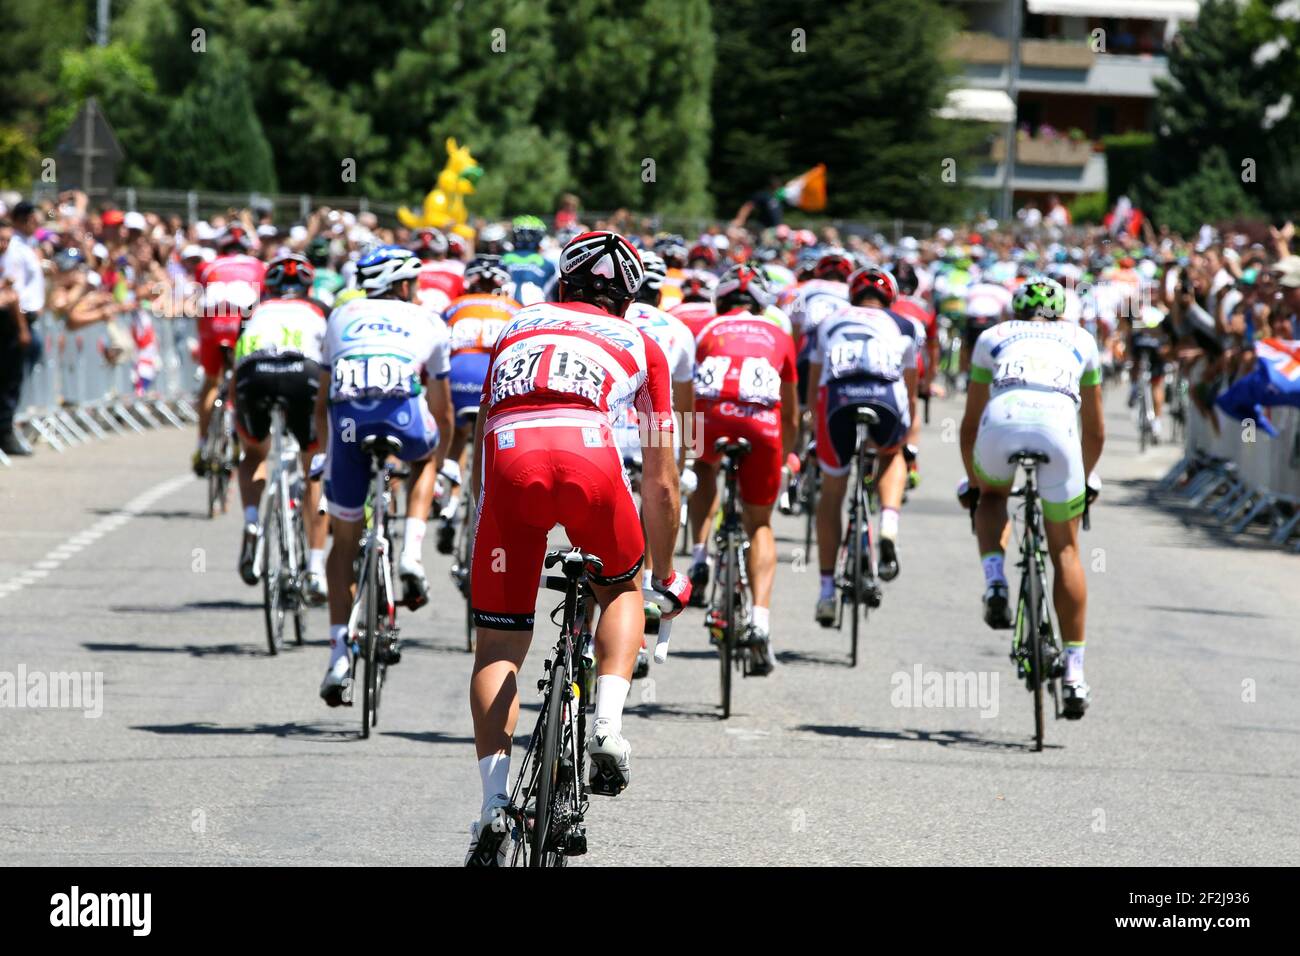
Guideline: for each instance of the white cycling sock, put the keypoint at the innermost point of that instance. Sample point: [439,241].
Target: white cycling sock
[828,587]
[316,561]
[993,570]
[611,694]
[413,539]
[762,619]
[250,514]
[494,771]
[338,644]
[699,553]
[889,523]
[646,578]
[1073,663]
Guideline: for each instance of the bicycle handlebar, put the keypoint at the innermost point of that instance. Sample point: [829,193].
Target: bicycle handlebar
[665,627]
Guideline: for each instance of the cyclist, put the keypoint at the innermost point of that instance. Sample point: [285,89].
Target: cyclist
[1149,336]
[744,388]
[815,300]
[863,355]
[985,305]
[1030,380]
[911,305]
[278,355]
[474,321]
[532,274]
[377,350]
[231,285]
[440,277]
[328,283]
[672,249]
[695,306]
[545,452]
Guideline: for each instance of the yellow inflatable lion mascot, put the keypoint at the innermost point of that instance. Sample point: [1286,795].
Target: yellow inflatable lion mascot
[444,206]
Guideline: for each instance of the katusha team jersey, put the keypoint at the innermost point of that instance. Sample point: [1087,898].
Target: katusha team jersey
[574,355]
[476,320]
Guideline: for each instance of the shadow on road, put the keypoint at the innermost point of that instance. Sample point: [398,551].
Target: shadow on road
[226,605]
[200,728]
[804,657]
[156,513]
[960,739]
[671,712]
[1214,611]
[194,650]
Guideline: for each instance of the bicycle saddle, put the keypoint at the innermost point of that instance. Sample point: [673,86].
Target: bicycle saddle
[1024,457]
[737,448]
[867,416]
[381,446]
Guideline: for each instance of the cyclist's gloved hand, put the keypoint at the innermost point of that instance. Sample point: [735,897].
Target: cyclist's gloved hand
[967,494]
[451,471]
[689,481]
[792,463]
[910,452]
[1093,487]
[317,465]
[677,589]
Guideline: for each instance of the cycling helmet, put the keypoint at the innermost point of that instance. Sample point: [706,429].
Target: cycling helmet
[602,264]
[655,273]
[384,266]
[487,274]
[872,280]
[742,285]
[905,277]
[696,288]
[492,239]
[233,238]
[1039,296]
[457,245]
[528,232]
[430,244]
[289,273]
[702,250]
[833,264]
[673,250]
[804,264]
[318,251]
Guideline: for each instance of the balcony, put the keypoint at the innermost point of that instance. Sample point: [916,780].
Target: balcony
[1045,152]
[1055,164]
[1056,66]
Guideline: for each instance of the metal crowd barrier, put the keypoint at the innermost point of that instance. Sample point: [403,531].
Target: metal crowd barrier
[74,395]
[1240,483]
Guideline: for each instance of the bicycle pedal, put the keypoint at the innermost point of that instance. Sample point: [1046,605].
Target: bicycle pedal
[575,841]
[606,784]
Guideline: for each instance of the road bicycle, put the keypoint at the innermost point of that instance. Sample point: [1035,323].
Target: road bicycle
[729,604]
[464,549]
[855,564]
[372,623]
[221,450]
[281,558]
[1146,416]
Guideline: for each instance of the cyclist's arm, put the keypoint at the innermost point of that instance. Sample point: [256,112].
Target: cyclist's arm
[789,416]
[439,399]
[1094,426]
[322,404]
[977,396]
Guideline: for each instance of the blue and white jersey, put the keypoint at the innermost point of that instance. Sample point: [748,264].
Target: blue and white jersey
[863,341]
[532,276]
[378,348]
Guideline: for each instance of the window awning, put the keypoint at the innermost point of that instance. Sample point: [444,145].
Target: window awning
[986,106]
[1132,9]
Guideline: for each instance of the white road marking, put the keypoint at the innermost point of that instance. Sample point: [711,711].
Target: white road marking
[81,539]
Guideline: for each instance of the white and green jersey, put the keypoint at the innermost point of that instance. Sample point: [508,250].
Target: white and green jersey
[282,327]
[1044,356]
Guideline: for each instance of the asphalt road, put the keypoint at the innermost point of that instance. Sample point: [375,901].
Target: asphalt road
[208,751]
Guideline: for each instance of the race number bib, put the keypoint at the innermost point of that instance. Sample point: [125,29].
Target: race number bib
[759,382]
[710,375]
[1036,372]
[376,376]
[868,356]
[564,370]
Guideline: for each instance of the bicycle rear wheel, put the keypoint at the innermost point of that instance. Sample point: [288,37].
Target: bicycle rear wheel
[272,546]
[726,643]
[1033,631]
[299,566]
[856,598]
[548,778]
[369,694]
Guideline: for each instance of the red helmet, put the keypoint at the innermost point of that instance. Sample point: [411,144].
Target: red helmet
[702,250]
[696,289]
[457,245]
[430,244]
[233,237]
[291,271]
[872,279]
[834,264]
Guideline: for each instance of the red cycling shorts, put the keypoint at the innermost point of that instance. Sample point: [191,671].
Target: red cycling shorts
[214,332]
[760,471]
[541,469]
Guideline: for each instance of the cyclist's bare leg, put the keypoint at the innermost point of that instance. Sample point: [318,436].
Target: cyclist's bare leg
[757,520]
[252,472]
[620,627]
[830,499]
[207,398]
[421,487]
[703,502]
[338,569]
[494,688]
[318,525]
[991,527]
[1069,585]
[891,477]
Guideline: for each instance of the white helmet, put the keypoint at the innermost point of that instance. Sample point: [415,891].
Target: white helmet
[384,266]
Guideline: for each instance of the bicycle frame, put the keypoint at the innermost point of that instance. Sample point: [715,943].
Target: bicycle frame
[728,607]
[374,585]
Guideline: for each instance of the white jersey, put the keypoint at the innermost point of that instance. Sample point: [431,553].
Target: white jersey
[858,341]
[671,333]
[815,301]
[988,301]
[378,347]
[282,327]
[1045,356]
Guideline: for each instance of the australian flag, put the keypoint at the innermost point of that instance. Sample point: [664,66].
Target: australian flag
[1275,380]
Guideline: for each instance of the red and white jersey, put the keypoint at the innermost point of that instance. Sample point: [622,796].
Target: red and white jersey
[232,285]
[694,315]
[574,355]
[742,357]
[440,283]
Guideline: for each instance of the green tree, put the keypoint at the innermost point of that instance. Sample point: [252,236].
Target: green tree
[213,139]
[33,38]
[1212,193]
[854,85]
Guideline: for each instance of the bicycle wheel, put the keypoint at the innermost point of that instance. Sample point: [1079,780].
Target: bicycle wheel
[216,453]
[726,644]
[1033,628]
[543,849]
[808,502]
[369,696]
[299,544]
[857,598]
[272,546]
[464,559]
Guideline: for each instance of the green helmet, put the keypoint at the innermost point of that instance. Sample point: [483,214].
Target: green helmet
[528,232]
[1040,296]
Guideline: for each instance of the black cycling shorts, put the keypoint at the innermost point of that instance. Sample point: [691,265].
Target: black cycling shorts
[976,325]
[260,381]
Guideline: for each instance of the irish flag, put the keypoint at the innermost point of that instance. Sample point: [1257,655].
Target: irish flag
[807,191]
